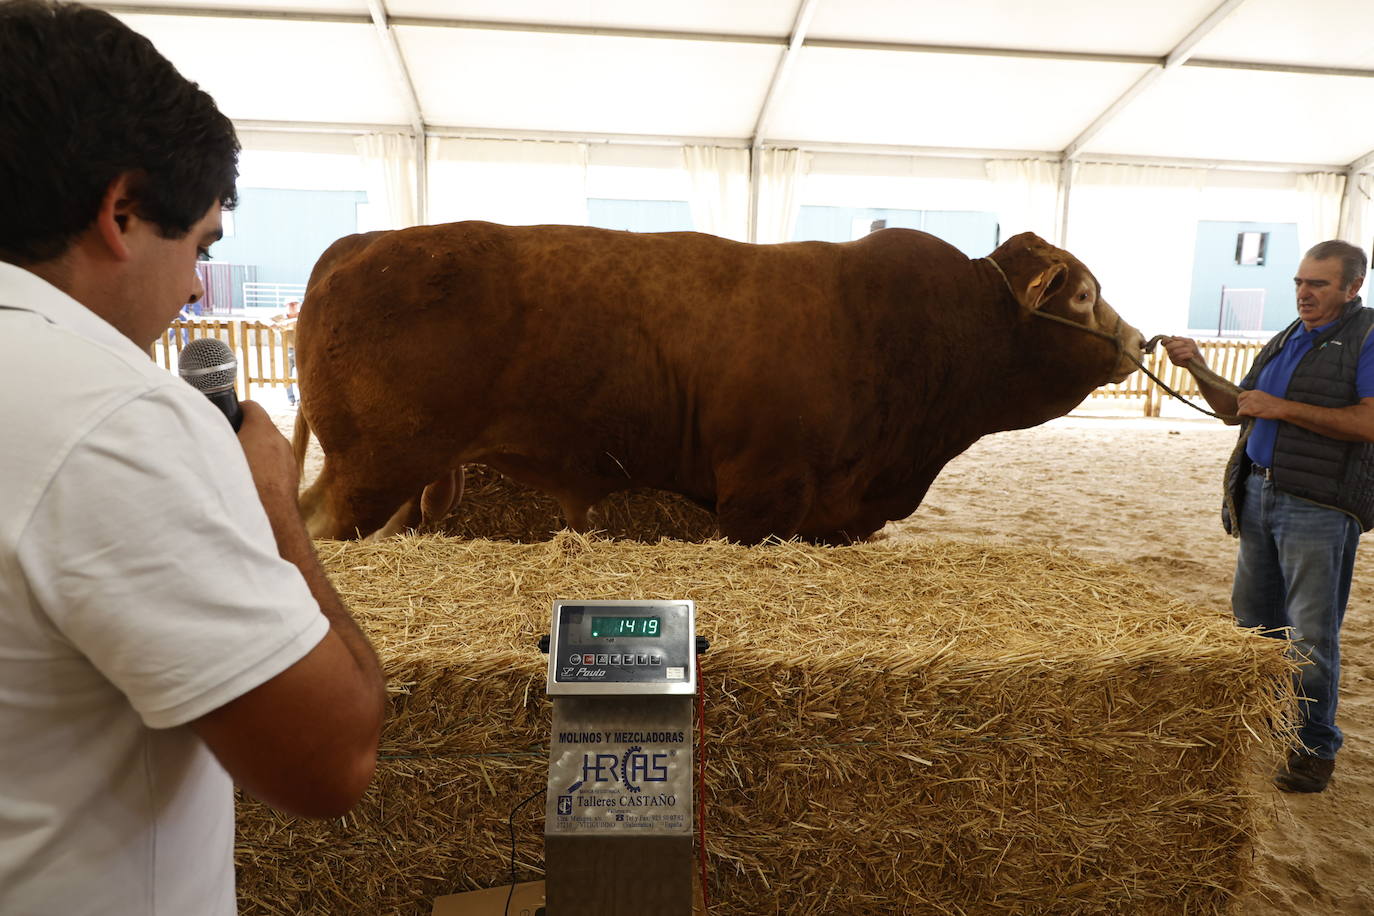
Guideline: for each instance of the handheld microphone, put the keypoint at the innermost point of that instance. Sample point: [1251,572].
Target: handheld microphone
[209,366]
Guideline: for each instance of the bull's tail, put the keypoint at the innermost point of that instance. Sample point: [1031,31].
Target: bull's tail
[312,498]
[300,441]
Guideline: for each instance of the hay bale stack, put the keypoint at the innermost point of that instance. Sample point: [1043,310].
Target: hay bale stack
[495,507]
[940,728]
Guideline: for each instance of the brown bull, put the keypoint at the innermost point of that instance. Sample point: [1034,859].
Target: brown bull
[808,389]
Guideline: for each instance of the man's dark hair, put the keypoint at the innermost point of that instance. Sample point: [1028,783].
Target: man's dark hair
[1352,257]
[83,100]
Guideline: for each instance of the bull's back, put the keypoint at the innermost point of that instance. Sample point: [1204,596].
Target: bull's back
[687,292]
[508,302]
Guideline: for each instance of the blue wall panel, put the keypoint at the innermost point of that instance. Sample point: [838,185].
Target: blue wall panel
[283,233]
[972,232]
[640,215]
[1214,266]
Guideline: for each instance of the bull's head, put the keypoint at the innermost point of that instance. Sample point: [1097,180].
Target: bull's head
[1051,282]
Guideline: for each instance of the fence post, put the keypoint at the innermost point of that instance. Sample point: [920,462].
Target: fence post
[243,358]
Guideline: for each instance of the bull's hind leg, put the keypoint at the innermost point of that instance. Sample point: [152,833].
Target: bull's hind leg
[406,518]
[426,509]
[752,505]
[311,504]
[355,499]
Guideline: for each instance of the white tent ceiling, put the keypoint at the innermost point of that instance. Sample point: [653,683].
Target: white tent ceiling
[1249,81]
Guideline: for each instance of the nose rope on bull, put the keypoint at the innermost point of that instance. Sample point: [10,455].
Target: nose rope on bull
[1200,372]
[1197,368]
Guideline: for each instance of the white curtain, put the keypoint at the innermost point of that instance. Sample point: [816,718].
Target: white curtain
[1026,194]
[780,175]
[1135,227]
[389,161]
[1360,224]
[720,190]
[1320,194]
[1355,221]
[516,182]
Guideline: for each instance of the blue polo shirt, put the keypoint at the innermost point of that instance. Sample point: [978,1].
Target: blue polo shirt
[1275,376]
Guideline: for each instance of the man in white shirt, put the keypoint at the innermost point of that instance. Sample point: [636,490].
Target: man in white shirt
[165,625]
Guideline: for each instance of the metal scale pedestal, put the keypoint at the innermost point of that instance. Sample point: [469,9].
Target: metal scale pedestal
[618,816]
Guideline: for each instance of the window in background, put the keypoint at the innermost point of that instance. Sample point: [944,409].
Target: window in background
[862,226]
[1251,248]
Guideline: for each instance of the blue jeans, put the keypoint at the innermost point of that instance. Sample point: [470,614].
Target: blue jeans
[1293,570]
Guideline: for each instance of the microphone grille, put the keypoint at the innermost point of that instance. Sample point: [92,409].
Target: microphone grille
[208,365]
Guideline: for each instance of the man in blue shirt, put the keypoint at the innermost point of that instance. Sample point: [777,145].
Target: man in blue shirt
[1300,485]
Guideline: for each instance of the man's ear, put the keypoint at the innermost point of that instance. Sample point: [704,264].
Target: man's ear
[113,220]
[1355,287]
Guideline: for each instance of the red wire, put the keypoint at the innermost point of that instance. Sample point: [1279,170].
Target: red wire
[701,783]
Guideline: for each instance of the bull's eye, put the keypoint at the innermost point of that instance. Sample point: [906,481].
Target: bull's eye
[1082,297]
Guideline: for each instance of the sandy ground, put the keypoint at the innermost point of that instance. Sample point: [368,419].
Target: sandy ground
[1117,487]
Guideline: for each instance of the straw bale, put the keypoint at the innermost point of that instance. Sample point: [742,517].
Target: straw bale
[892,728]
[495,507]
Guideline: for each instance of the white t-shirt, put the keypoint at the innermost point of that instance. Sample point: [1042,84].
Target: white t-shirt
[140,588]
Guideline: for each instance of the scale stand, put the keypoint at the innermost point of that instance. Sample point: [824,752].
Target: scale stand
[618,814]
[618,810]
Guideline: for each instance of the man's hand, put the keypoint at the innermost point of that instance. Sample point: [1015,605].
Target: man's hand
[1261,404]
[1182,350]
[273,466]
[270,460]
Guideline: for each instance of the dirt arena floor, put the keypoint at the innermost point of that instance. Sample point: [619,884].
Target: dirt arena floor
[1121,488]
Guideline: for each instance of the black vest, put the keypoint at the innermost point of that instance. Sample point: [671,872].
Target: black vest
[1306,464]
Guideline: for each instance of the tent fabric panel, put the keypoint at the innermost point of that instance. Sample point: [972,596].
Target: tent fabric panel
[1227,114]
[276,70]
[535,81]
[1064,25]
[944,100]
[1315,33]
[760,17]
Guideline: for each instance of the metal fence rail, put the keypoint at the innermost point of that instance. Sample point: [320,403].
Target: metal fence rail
[272,295]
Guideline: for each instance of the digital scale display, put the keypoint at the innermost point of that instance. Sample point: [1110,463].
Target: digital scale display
[622,647]
[626,626]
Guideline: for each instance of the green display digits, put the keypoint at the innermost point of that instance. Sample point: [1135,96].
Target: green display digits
[626,626]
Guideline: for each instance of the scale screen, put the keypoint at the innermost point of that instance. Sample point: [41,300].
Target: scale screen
[622,647]
[626,626]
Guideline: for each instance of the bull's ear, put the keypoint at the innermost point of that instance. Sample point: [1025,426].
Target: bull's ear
[1042,286]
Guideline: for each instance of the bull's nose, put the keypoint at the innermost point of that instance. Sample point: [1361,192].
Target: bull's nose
[1132,339]
[1132,351]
